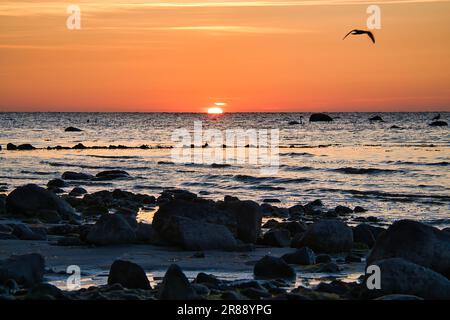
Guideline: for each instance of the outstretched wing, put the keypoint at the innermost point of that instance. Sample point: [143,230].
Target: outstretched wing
[348,34]
[370,34]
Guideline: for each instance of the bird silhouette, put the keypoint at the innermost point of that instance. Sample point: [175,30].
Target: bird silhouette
[358,32]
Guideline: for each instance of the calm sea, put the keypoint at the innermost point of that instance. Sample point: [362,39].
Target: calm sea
[395,172]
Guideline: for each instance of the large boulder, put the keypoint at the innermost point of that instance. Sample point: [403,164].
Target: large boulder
[399,276]
[242,218]
[414,241]
[26,270]
[272,268]
[111,229]
[130,275]
[33,201]
[328,236]
[248,218]
[146,233]
[315,117]
[175,285]
[277,238]
[197,235]
[362,233]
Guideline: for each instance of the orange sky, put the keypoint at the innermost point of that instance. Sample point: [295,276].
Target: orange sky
[184,55]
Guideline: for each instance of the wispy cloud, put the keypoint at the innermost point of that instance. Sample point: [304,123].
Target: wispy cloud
[24,8]
[212,28]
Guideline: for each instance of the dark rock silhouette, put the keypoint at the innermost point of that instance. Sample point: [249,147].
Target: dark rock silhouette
[272,268]
[72,129]
[316,117]
[33,201]
[129,275]
[439,123]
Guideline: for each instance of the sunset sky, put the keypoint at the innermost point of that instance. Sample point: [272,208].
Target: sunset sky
[186,55]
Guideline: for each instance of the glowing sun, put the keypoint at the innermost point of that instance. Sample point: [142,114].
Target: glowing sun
[217,108]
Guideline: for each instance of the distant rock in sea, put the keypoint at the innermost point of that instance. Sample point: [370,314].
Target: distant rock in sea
[25,146]
[376,118]
[316,117]
[439,123]
[72,129]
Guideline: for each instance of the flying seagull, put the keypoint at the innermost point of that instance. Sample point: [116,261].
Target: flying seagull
[357,32]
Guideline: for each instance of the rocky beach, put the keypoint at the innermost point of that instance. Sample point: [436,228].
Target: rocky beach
[304,252]
[95,210]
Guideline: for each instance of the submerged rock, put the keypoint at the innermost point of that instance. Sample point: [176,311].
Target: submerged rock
[376,118]
[414,241]
[25,146]
[315,117]
[33,201]
[112,174]
[26,270]
[175,285]
[56,183]
[11,147]
[111,229]
[129,275]
[77,191]
[72,129]
[328,236]
[69,175]
[272,268]
[439,124]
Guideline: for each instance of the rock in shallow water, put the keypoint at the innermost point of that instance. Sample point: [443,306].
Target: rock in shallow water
[315,117]
[72,129]
[414,241]
[31,200]
[112,174]
[69,175]
[128,274]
